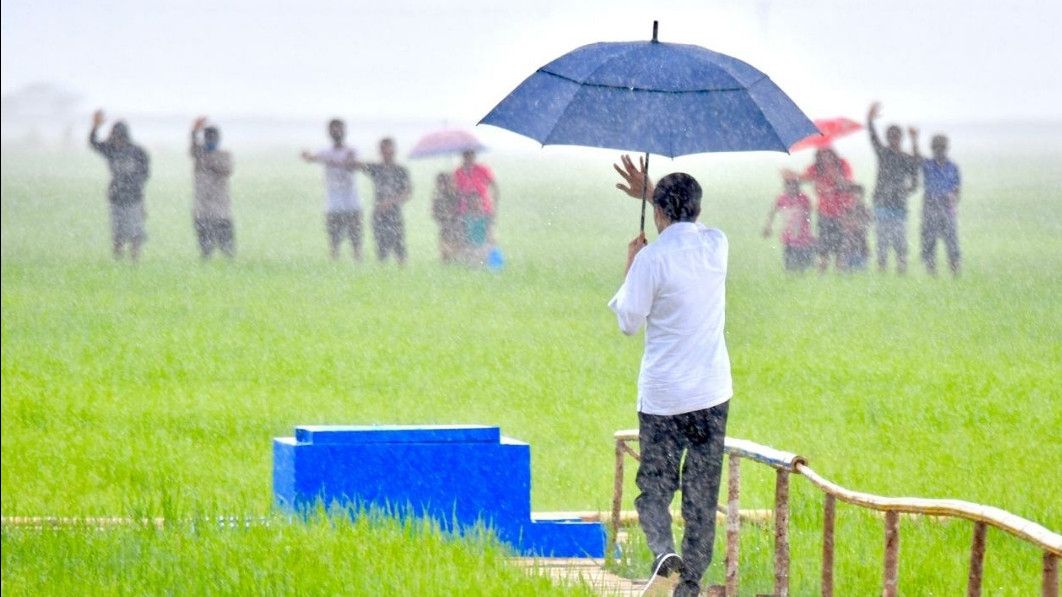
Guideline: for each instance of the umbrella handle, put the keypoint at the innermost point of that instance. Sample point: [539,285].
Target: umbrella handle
[645,190]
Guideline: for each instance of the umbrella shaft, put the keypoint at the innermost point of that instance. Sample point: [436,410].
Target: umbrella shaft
[645,189]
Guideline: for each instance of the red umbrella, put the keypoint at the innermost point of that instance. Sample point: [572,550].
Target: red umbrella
[445,142]
[831,129]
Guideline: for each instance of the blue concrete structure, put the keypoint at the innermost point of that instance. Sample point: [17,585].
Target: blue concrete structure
[457,475]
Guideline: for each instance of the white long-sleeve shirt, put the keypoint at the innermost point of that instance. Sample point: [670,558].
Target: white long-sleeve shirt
[676,288]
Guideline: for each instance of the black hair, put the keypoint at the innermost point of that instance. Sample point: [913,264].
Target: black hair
[678,195]
[120,130]
[335,122]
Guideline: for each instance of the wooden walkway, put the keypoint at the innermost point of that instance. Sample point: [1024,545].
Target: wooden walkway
[582,570]
[592,572]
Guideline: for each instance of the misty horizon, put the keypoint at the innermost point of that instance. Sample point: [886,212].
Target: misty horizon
[946,62]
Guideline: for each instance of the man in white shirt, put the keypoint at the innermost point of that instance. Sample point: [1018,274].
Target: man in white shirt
[342,207]
[676,288]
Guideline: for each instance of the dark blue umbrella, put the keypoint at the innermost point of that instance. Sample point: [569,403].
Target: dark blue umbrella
[652,97]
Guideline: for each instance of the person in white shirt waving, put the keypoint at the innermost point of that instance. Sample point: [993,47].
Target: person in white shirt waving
[342,206]
[676,288]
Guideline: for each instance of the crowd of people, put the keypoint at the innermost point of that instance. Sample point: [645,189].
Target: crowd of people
[464,202]
[843,219]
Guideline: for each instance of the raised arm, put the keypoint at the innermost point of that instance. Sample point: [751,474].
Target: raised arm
[635,178]
[913,133]
[196,148]
[354,164]
[872,115]
[314,158]
[94,142]
[350,162]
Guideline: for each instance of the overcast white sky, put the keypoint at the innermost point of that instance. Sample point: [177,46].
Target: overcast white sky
[941,60]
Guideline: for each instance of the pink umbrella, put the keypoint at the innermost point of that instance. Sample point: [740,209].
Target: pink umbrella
[831,129]
[445,142]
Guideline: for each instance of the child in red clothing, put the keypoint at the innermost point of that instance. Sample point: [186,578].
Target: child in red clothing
[832,177]
[797,241]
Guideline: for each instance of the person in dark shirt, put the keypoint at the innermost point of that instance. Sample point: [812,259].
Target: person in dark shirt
[129,165]
[393,189]
[942,184]
[897,178]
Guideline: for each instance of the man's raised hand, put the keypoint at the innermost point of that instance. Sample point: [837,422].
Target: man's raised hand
[198,124]
[633,177]
[874,111]
[97,119]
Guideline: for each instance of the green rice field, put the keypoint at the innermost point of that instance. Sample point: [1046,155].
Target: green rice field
[155,390]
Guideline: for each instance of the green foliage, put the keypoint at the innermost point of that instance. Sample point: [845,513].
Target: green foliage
[120,382]
[327,554]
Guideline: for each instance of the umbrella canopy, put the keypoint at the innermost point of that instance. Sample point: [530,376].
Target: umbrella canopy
[831,129]
[652,97]
[445,142]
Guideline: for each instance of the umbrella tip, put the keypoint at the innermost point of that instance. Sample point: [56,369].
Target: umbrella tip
[656,26]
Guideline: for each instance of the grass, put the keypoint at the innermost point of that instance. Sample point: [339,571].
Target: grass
[122,383]
[331,554]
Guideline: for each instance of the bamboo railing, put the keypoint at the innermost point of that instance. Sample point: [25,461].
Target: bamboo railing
[786,463]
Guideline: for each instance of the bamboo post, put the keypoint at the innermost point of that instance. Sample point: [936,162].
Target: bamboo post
[1050,588]
[781,534]
[977,560]
[892,554]
[733,523]
[829,517]
[617,500]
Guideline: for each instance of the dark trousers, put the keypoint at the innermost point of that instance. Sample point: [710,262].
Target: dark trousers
[215,232]
[663,440]
[344,224]
[891,229]
[390,233]
[939,222]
